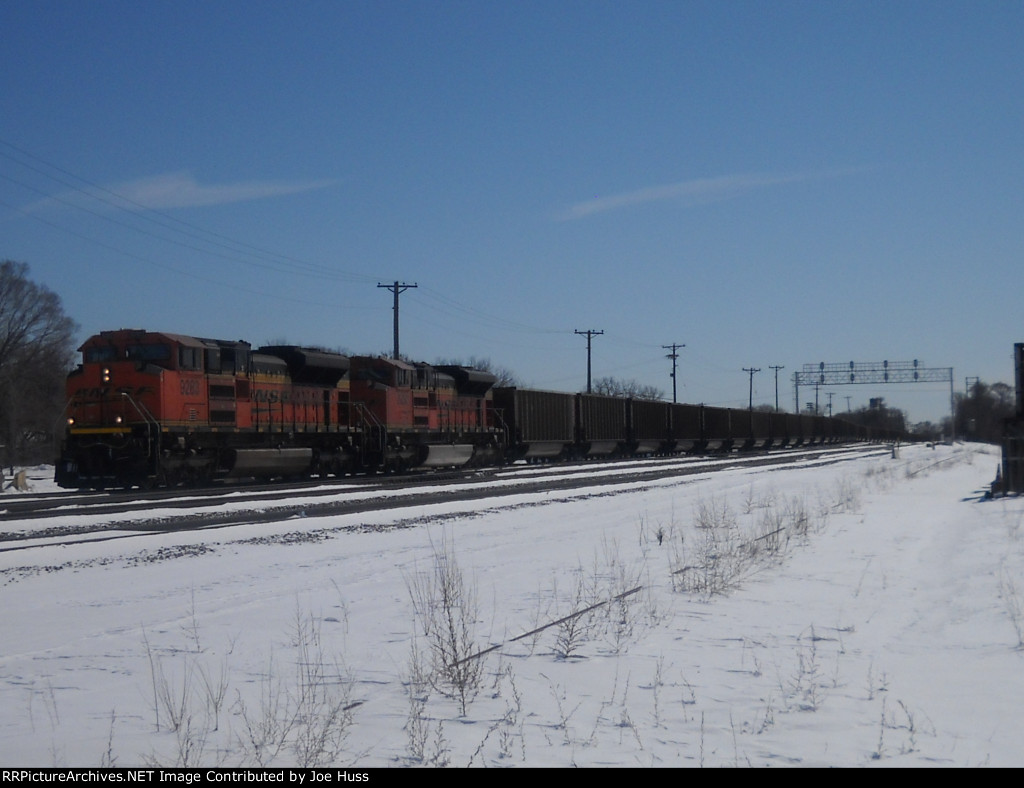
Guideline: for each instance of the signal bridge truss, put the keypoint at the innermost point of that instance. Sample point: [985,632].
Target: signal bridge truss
[876,372]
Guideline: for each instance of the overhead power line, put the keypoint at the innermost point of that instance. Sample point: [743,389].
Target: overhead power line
[122,203]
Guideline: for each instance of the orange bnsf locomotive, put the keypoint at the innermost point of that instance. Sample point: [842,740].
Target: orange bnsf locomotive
[149,408]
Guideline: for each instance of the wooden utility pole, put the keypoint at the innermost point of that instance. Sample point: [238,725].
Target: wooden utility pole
[396,288]
[776,385]
[751,371]
[589,335]
[673,355]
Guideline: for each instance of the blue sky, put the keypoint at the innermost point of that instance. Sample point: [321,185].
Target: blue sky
[770,183]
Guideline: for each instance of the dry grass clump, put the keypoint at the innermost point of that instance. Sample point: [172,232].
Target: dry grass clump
[446,607]
[723,547]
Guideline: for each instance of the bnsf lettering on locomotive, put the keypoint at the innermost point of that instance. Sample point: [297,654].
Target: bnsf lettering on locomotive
[106,392]
[272,397]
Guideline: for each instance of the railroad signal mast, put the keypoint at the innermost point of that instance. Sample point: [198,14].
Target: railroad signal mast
[876,372]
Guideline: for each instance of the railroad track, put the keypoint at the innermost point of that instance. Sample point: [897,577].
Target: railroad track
[72,518]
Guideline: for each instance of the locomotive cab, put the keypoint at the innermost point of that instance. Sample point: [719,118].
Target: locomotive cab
[136,399]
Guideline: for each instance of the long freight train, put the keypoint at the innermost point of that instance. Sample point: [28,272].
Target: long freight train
[152,409]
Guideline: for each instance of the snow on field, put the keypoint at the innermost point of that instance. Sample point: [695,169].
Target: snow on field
[867,612]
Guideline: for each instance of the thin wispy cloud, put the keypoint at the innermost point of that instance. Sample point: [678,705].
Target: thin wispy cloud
[175,190]
[182,190]
[692,192]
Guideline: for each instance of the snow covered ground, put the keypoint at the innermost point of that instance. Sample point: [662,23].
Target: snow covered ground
[863,613]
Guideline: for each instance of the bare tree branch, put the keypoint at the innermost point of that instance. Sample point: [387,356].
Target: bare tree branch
[36,346]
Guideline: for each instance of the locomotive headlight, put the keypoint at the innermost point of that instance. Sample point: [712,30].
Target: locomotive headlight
[106,374]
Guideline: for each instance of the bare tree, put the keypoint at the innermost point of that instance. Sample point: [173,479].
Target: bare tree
[447,610]
[980,413]
[615,387]
[36,346]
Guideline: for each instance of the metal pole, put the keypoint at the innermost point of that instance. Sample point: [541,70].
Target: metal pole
[952,408]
